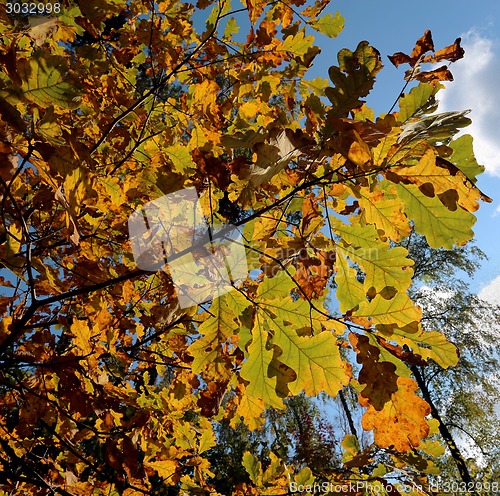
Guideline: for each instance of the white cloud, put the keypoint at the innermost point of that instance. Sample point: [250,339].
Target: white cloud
[491,292]
[476,87]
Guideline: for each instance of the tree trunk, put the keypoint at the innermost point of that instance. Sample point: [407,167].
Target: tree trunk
[443,430]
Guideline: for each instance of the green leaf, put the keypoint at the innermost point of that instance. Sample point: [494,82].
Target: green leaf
[442,227]
[68,16]
[350,447]
[285,358]
[316,85]
[350,291]
[315,359]
[253,467]
[380,470]
[304,477]
[278,286]
[298,44]
[329,25]
[218,10]
[463,157]
[297,313]
[361,67]
[43,84]
[231,28]
[420,100]
[181,157]
[365,59]
[387,270]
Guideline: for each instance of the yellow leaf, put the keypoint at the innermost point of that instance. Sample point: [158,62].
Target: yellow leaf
[435,176]
[251,409]
[399,312]
[82,336]
[381,207]
[4,328]
[180,157]
[166,468]
[255,369]
[204,98]
[207,440]
[255,8]
[11,252]
[223,324]
[429,344]
[249,109]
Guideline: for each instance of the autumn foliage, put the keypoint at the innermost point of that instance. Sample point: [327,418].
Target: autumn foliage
[107,385]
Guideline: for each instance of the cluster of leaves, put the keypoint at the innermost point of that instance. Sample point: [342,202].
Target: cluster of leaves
[107,386]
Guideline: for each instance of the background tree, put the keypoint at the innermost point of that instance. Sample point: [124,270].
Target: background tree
[299,435]
[108,385]
[465,396]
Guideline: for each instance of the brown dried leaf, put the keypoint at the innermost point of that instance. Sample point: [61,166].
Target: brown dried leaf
[440,74]
[423,45]
[452,53]
[379,377]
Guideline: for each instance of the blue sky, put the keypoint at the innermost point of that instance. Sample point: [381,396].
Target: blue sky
[392,26]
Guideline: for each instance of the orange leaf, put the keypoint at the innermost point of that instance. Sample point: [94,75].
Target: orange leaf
[255,9]
[401,423]
[309,211]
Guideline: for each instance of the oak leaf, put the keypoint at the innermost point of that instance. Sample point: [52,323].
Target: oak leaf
[442,228]
[378,376]
[423,45]
[329,25]
[401,423]
[43,84]
[353,78]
